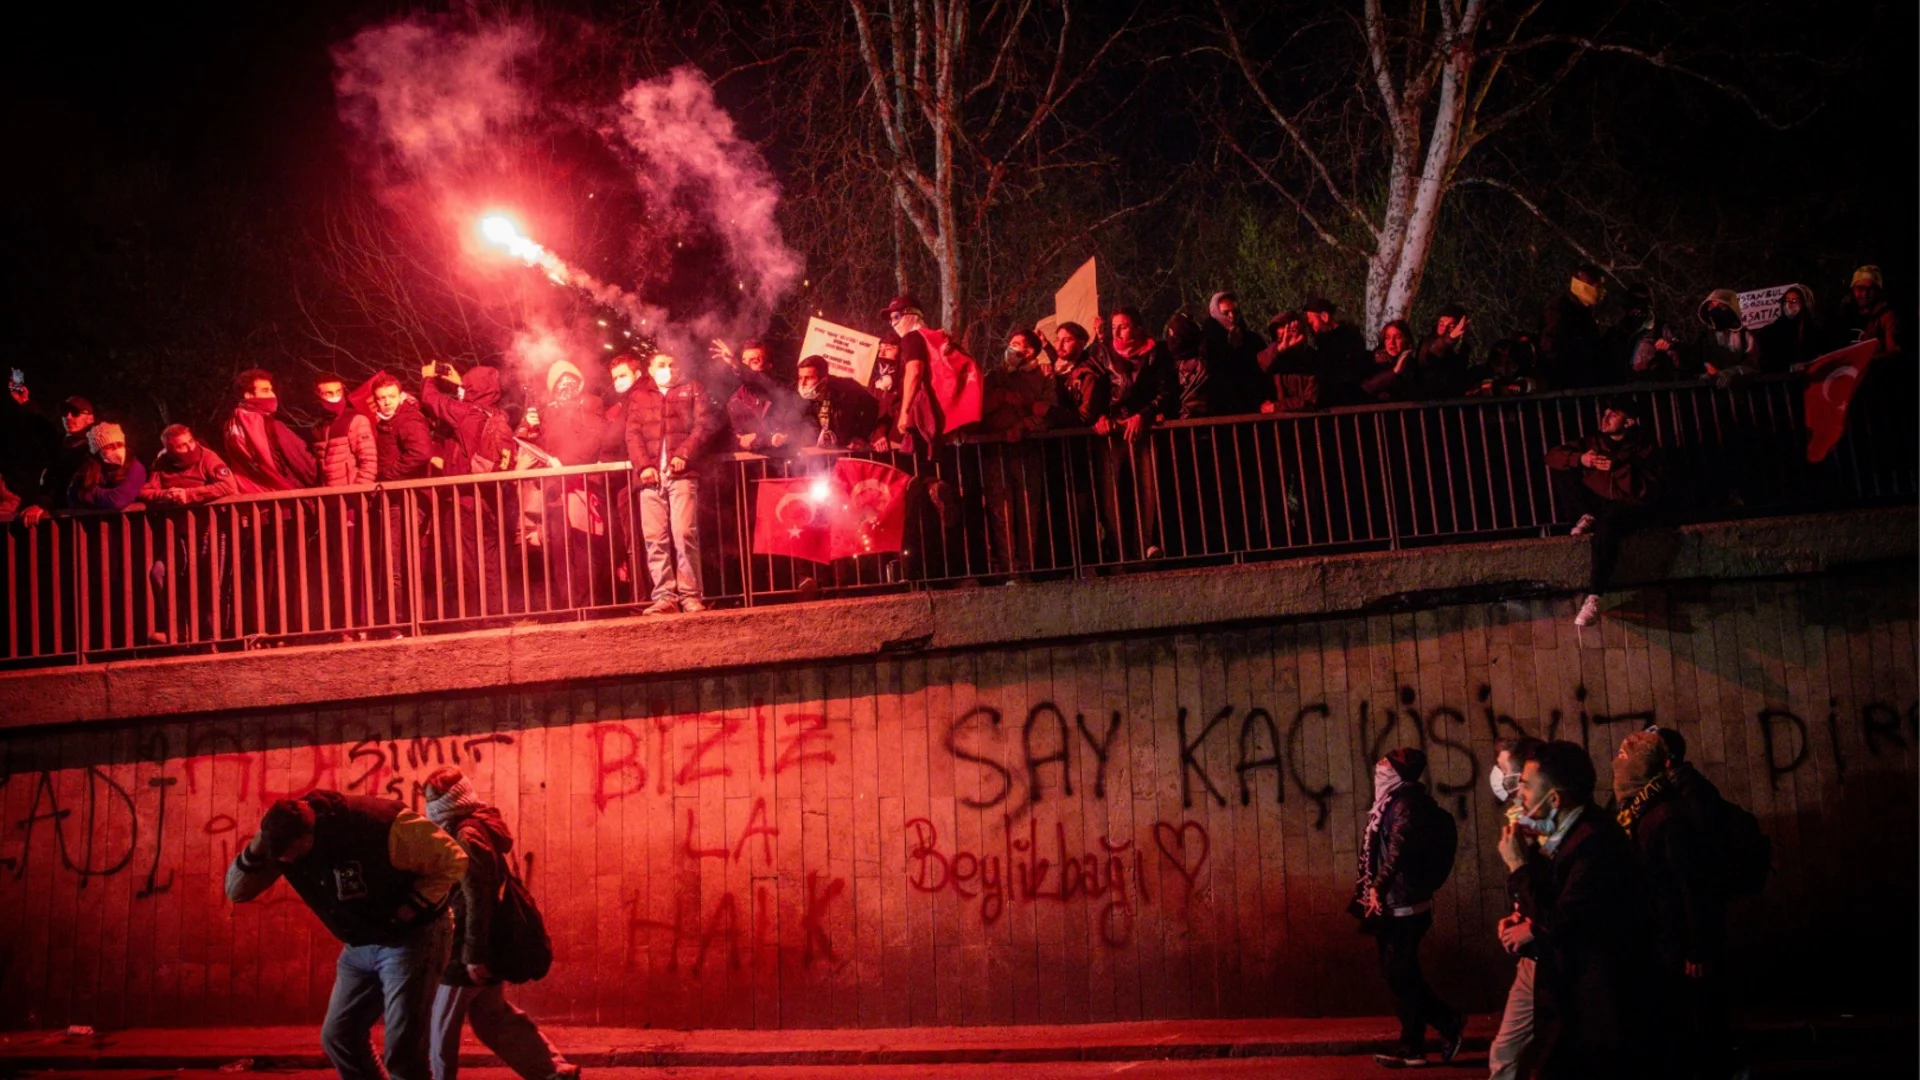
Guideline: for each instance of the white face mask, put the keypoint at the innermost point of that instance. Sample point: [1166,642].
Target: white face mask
[1384,778]
[622,383]
[1541,819]
[1503,783]
[661,377]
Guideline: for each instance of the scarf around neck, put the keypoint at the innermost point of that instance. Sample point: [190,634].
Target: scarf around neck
[455,802]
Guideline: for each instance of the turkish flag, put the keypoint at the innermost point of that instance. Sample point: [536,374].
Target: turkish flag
[1831,380]
[957,383]
[870,514]
[791,517]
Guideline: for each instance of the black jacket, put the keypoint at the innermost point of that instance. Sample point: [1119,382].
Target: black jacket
[372,860]
[1570,346]
[1234,384]
[464,417]
[1681,858]
[1153,391]
[844,413]
[1594,983]
[681,422]
[1405,841]
[403,444]
[1635,476]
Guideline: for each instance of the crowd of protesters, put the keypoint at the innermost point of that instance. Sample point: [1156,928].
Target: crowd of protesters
[1120,379]
[1617,921]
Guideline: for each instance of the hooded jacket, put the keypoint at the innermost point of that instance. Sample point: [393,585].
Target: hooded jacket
[1570,346]
[403,442]
[344,449]
[1786,341]
[484,836]
[1635,475]
[265,454]
[201,478]
[1734,351]
[1234,385]
[569,430]
[465,416]
[680,422]
[377,873]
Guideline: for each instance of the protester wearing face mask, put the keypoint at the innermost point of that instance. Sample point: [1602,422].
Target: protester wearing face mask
[762,411]
[1570,356]
[835,411]
[1516,1020]
[671,424]
[1794,336]
[185,474]
[263,451]
[1405,857]
[568,426]
[1726,348]
[1581,907]
[111,479]
[343,440]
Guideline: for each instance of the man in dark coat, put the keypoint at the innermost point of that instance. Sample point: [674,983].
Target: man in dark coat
[1403,858]
[1230,350]
[477,440]
[1611,479]
[1580,908]
[380,878]
[671,426]
[1676,831]
[1344,355]
[471,990]
[835,411]
[1570,353]
[403,448]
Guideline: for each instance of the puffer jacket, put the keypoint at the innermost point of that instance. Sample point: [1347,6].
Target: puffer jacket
[680,423]
[1635,476]
[344,449]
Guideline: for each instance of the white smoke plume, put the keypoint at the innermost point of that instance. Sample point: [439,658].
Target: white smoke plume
[436,102]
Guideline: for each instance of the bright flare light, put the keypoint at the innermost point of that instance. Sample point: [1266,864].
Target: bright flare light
[500,231]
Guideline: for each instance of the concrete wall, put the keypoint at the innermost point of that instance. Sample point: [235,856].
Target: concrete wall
[1154,825]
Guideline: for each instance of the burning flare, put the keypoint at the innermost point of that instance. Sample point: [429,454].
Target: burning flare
[500,231]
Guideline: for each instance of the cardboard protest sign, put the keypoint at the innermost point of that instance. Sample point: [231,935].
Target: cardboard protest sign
[849,352]
[1079,299]
[1762,306]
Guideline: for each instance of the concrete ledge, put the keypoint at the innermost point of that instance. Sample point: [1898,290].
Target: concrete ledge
[544,655]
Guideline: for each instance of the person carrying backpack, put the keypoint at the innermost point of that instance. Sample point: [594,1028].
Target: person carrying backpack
[478,440]
[1405,858]
[496,941]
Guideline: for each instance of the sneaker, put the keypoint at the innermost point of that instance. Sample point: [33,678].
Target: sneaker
[1589,611]
[662,607]
[1153,551]
[1400,1059]
[1583,526]
[1450,1041]
[692,605]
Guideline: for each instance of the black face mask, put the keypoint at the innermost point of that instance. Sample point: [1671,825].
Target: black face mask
[1724,319]
[334,408]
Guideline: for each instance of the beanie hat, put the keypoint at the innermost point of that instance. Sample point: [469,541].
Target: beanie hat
[1867,275]
[102,434]
[1676,743]
[563,367]
[1409,761]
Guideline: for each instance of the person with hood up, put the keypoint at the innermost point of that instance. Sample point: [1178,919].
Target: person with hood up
[1680,859]
[1611,479]
[111,479]
[1726,347]
[469,991]
[671,425]
[1405,857]
[1145,387]
[1230,352]
[263,451]
[1794,336]
[1575,880]
[343,442]
[568,426]
[478,441]
[185,474]
[1570,356]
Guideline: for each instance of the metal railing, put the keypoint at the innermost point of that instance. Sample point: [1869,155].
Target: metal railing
[464,552]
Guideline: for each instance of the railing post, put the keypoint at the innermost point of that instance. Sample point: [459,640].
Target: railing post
[1386,480]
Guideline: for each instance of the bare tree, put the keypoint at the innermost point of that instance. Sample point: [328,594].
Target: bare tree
[1441,78]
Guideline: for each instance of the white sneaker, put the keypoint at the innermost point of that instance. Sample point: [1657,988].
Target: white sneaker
[1589,611]
[1583,526]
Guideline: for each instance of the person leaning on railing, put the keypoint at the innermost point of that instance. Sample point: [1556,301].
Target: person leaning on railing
[111,479]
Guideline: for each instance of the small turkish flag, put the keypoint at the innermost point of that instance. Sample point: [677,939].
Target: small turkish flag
[1831,381]
[791,517]
[871,515]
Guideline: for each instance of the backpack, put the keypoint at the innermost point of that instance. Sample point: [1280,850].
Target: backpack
[493,450]
[1431,863]
[520,950]
[1749,853]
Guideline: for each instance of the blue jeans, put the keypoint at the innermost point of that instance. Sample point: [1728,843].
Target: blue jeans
[394,982]
[673,538]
